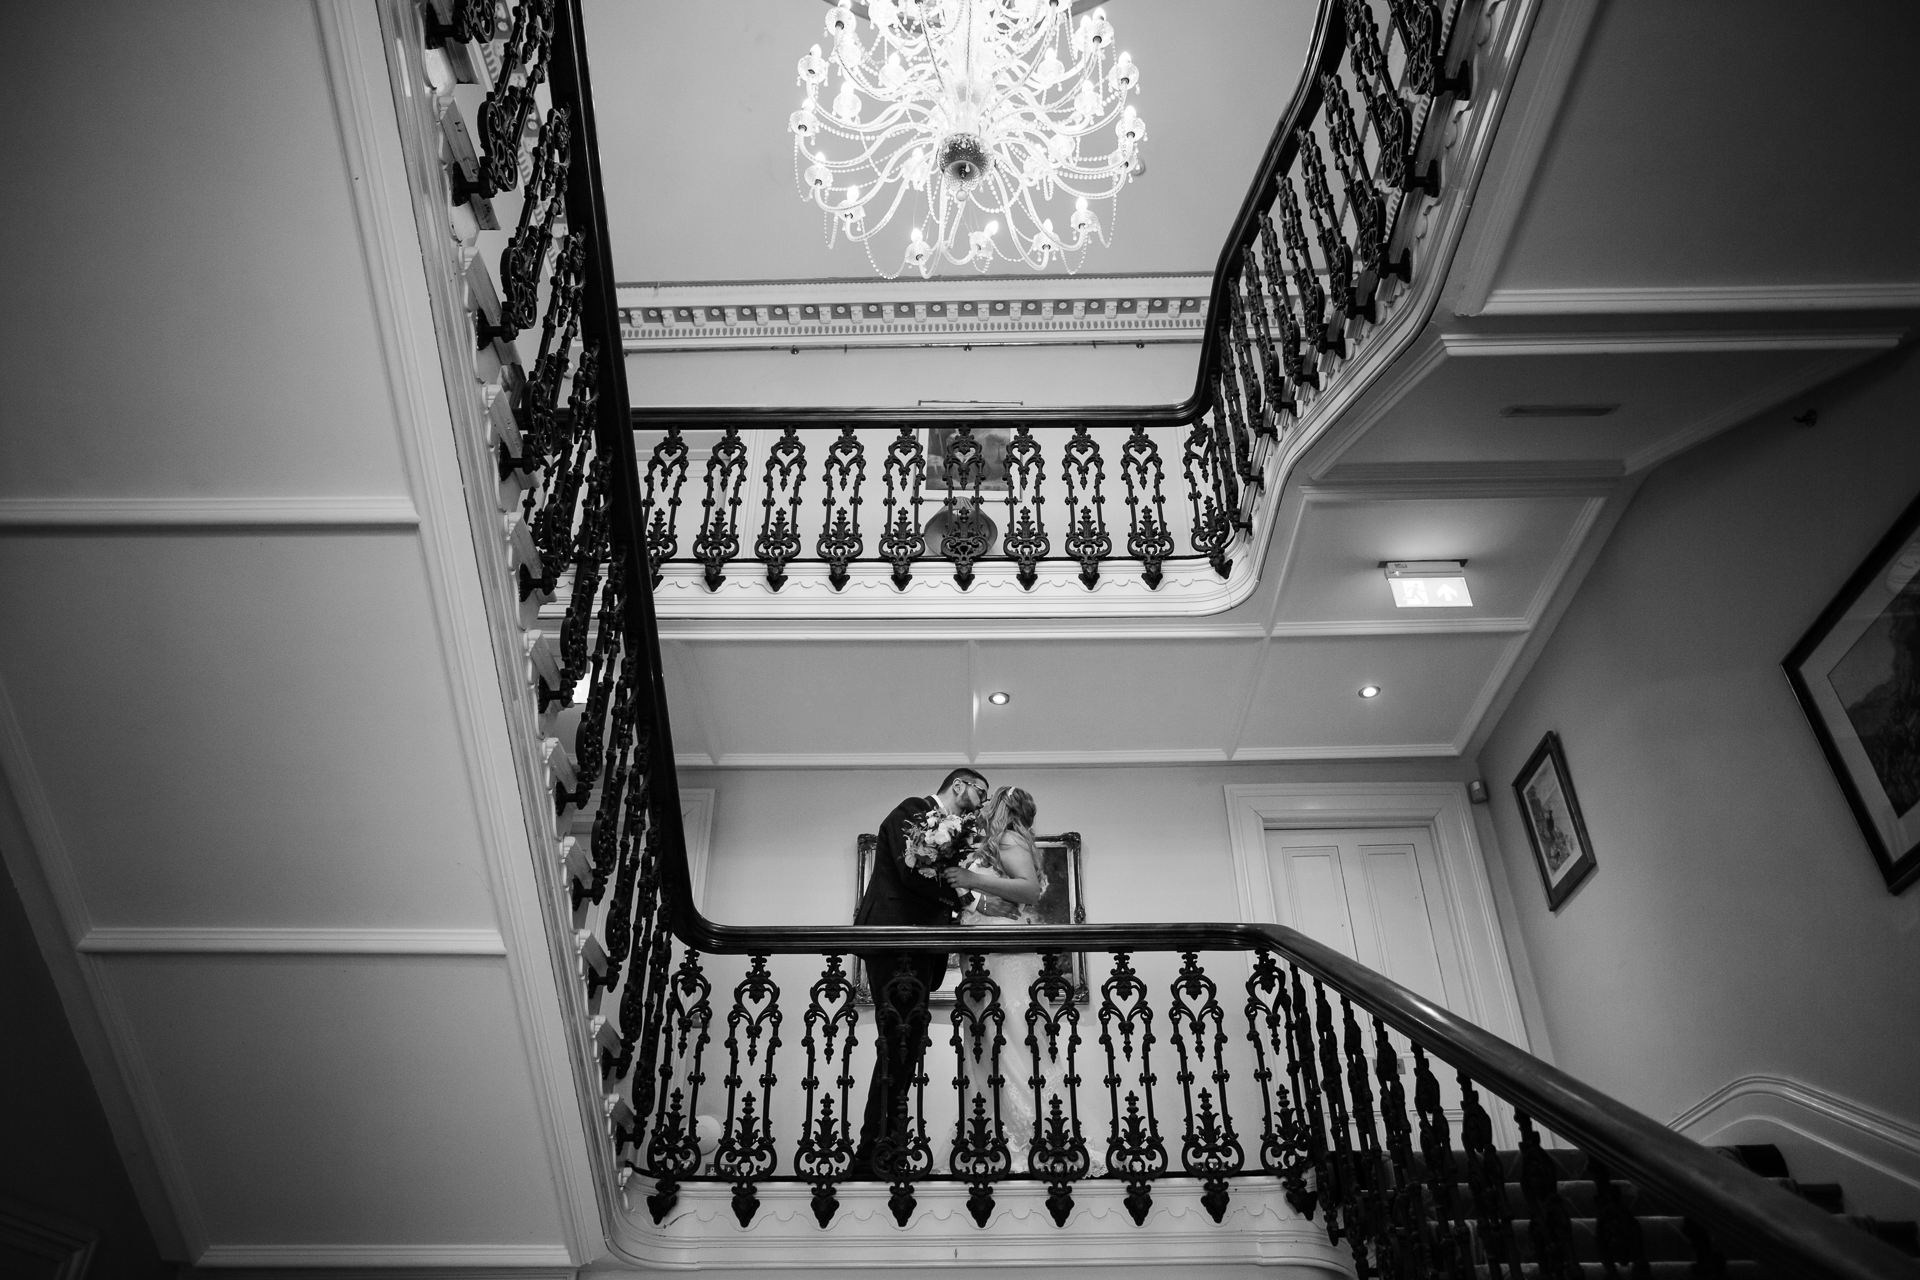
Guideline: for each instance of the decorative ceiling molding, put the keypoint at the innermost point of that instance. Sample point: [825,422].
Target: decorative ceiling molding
[989,311]
[1877,295]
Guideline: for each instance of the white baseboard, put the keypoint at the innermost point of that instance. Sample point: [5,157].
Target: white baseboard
[1875,1157]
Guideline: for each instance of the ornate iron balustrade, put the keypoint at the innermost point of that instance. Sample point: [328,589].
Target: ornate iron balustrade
[1216,1052]
[1023,497]
[1323,245]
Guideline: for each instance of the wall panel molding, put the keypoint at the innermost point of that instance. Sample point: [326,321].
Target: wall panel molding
[491,1260]
[378,103]
[1706,299]
[167,940]
[222,514]
[1875,1156]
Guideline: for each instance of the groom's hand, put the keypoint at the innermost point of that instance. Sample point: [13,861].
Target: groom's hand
[961,878]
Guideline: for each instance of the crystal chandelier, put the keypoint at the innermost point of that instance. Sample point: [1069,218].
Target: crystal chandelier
[984,111]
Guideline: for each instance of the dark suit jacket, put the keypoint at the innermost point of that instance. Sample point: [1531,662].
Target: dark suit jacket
[895,893]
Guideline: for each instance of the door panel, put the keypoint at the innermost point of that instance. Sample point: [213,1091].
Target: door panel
[1407,946]
[1315,888]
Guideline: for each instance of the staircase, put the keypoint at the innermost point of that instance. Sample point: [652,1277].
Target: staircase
[1645,1237]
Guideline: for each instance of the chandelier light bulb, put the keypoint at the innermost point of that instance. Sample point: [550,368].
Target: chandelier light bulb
[967,111]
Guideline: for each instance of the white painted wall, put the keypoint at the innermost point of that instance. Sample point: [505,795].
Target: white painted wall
[1040,376]
[1736,923]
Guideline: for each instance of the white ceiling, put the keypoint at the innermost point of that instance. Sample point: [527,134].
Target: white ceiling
[692,100]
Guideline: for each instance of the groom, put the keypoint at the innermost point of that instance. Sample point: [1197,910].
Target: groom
[901,980]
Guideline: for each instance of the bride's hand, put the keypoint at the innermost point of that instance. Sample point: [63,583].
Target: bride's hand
[960,878]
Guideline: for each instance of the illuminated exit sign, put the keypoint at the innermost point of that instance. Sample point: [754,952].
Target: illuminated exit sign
[1428,584]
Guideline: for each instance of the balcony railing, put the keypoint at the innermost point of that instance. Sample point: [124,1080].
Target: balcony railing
[1216,1053]
[1323,244]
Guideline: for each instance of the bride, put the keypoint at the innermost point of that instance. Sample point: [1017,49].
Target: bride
[1007,885]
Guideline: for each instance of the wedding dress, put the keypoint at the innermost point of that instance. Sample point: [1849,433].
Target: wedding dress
[1014,973]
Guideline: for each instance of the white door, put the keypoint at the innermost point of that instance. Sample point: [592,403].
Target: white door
[1376,896]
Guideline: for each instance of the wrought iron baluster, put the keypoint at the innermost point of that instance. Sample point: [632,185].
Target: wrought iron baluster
[470,20]
[905,472]
[1241,368]
[1210,1149]
[606,821]
[964,468]
[824,1154]
[1387,109]
[719,537]
[589,739]
[1282,1149]
[540,442]
[673,1151]
[1364,196]
[646,917]
[1322,332]
[1148,538]
[1549,1224]
[1087,539]
[1135,1150]
[1487,1180]
[509,107]
[1299,365]
[1306,1090]
[1406,1207]
[1453,1240]
[1279,389]
[1343,1194]
[660,506]
[1616,1230]
[1059,1153]
[1334,249]
[745,1151]
[902,1154]
[552,529]
[651,1003]
[619,926]
[1420,29]
[1367,1164]
[1211,531]
[590,549]
[980,1152]
[1025,539]
[526,251]
[842,473]
[779,539]
[1238,445]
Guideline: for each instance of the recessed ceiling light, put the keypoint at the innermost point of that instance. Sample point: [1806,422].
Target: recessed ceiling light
[1369,690]
[1428,584]
[999,699]
[1558,410]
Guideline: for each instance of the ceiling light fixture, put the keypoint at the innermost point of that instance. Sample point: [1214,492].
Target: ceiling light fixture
[999,699]
[988,109]
[1428,584]
[1369,690]
[1558,410]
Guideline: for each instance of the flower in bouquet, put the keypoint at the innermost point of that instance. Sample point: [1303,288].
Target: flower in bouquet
[937,840]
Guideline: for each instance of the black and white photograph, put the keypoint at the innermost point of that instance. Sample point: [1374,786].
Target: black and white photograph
[1016,638]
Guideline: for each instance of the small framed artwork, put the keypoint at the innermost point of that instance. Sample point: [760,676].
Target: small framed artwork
[1554,825]
[1857,675]
[1061,903]
[993,454]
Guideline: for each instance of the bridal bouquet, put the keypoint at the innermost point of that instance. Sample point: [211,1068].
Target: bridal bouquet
[937,840]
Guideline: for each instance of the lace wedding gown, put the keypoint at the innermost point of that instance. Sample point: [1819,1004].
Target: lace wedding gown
[1014,974]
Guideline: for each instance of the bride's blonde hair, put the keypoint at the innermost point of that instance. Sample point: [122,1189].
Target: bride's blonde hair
[1012,808]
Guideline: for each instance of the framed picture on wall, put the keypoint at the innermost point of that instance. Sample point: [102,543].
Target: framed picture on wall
[1061,903]
[1857,675]
[1554,825]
